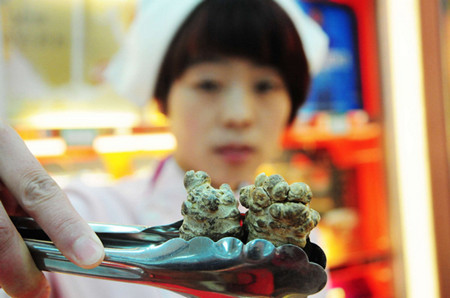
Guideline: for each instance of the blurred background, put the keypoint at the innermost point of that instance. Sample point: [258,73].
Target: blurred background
[371,140]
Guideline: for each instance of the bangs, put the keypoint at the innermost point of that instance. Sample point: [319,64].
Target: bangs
[258,30]
[242,31]
[240,28]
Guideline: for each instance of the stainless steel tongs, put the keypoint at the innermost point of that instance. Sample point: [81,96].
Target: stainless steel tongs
[156,256]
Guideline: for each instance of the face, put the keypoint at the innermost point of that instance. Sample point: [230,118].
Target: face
[227,116]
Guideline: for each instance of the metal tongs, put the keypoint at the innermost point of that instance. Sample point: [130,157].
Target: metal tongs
[156,256]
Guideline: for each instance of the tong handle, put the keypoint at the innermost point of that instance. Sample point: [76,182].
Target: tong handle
[111,235]
[117,264]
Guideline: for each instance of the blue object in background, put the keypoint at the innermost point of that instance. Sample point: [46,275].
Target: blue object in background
[337,88]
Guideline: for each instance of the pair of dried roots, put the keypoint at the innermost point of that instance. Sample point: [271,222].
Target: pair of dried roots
[277,211]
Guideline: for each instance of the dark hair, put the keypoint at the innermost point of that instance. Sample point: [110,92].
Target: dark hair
[259,30]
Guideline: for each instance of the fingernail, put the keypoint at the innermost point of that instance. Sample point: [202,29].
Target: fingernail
[88,251]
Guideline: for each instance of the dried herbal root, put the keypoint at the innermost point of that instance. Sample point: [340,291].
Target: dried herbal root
[277,211]
[208,211]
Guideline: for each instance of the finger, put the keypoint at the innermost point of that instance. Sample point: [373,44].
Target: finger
[16,264]
[39,196]
[9,202]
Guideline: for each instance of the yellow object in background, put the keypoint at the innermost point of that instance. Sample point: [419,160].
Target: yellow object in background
[118,164]
[49,34]
[54,53]
[41,32]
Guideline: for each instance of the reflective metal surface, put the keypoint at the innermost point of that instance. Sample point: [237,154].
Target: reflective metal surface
[157,257]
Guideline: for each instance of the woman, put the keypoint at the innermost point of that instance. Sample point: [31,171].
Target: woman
[230,76]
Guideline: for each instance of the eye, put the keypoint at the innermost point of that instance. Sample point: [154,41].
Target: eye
[208,85]
[265,86]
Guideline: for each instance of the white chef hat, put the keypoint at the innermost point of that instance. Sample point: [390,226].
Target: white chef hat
[134,70]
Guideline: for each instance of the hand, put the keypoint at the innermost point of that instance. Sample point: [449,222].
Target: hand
[27,190]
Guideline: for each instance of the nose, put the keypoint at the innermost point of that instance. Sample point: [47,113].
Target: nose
[238,108]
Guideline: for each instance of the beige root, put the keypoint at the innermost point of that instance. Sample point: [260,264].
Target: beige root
[208,211]
[278,212]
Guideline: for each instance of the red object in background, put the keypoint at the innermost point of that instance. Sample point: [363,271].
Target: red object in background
[365,281]
[361,152]
[367,269]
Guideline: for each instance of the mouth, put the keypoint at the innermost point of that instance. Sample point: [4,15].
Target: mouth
[235,154]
